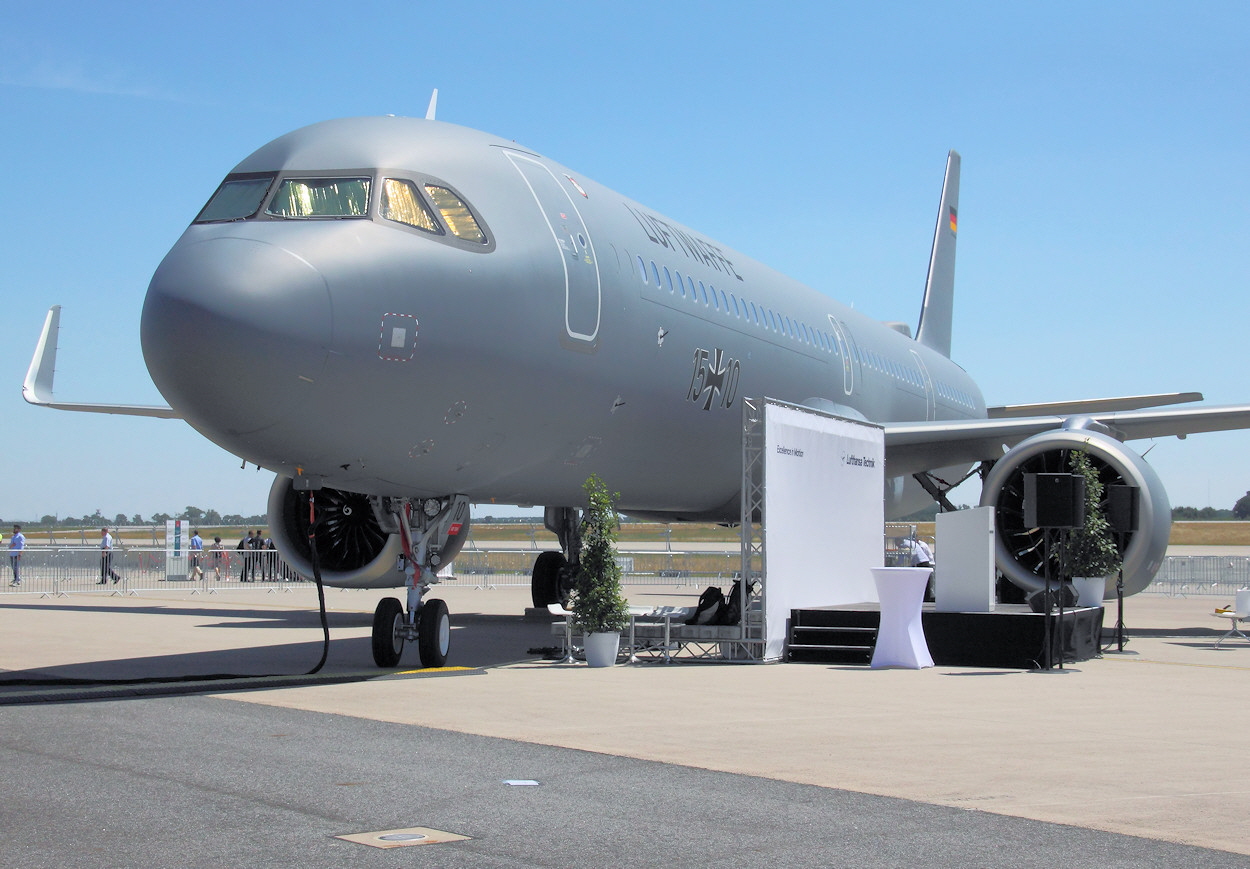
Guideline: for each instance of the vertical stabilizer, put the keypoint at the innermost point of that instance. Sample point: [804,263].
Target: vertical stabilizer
[939,289]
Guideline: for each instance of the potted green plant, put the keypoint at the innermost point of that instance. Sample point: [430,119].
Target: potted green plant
[1088,554]
[599,609]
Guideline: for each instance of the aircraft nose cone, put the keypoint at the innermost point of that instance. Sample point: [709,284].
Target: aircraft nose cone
[233,331]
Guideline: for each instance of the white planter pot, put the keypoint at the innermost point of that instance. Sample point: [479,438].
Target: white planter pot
[1090,590]
[601,649]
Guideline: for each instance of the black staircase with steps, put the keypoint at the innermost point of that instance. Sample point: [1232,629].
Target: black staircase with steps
[833,636]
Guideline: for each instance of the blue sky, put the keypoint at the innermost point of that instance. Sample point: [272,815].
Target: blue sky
[1103,215]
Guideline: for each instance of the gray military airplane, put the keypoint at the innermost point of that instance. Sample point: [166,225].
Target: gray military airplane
[428,316]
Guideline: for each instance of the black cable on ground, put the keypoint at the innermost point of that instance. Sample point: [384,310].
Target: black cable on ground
[213,677]
[313,522]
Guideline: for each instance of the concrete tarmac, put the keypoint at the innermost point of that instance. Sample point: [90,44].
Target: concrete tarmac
[1127,760]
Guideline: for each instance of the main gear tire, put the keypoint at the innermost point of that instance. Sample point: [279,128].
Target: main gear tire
[388,635]
[433,633]
[545,579]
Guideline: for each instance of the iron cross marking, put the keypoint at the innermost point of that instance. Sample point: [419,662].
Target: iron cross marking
[715,379]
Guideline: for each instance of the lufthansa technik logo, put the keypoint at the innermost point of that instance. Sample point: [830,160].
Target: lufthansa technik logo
[859,461]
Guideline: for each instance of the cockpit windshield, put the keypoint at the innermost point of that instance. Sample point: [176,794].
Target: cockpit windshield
[238,198]
[417,203]
[321,197]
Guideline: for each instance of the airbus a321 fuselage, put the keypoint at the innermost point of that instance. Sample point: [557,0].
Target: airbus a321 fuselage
[404,316]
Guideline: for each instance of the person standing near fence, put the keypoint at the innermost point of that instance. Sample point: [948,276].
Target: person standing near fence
[106,559]
[197,547]
[217,556]
[16,544]
[267,557]
[245,558]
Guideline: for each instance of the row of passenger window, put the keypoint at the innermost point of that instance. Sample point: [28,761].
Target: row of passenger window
[912,376]
[709,296]
[687,287]
[956,396]
[240,197]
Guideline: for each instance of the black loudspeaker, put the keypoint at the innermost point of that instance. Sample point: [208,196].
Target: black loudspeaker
[1060,591]
[1054,501]
[1122,508]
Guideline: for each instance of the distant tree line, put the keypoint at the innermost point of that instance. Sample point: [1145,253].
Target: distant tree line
[207,518]
[210,518]
[194,515]
[1204,514]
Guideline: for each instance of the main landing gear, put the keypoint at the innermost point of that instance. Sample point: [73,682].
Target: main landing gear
[552,578]
[425,622]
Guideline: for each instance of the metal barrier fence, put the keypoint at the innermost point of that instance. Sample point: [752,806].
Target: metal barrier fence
[486,568]
[1192,575]
[57,570]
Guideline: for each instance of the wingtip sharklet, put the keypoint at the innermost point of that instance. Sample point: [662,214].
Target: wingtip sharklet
[37,387]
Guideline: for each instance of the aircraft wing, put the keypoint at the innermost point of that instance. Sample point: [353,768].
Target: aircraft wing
[37,388]
[1095,405]
[916,446]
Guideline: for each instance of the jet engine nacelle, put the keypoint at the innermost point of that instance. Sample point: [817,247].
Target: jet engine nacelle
[1019,550]
[358,539]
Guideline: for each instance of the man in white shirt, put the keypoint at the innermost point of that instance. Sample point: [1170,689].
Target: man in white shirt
[106,559]
[920,555]
[16,544]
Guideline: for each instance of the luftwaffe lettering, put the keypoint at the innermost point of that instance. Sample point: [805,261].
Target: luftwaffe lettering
[666,235]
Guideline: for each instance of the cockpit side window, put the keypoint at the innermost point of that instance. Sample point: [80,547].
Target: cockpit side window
[238,198]
[321,197]
[456,214]
[403,204]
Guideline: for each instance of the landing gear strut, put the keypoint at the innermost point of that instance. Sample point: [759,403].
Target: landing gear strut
[426,621]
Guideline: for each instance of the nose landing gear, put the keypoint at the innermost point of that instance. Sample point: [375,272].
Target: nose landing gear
[426,621]
[392,628]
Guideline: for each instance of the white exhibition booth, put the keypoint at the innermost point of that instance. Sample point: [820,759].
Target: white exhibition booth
[823,514]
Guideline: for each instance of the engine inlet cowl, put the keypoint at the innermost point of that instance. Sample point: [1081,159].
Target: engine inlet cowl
[352,549]
[1019,549]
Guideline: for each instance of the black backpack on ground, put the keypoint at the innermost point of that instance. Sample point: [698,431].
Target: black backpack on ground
[731,614]
[710,609]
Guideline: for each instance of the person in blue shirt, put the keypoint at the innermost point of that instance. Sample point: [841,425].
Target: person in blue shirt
[197,546]
[16,544]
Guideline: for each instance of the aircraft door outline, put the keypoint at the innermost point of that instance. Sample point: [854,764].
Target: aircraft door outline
[845,348]
[583,289]
[930,400]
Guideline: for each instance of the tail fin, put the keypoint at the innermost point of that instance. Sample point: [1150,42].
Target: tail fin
[939,289]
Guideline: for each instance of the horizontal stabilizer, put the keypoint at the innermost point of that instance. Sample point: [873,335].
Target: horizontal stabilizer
[37,388]
[1093,405]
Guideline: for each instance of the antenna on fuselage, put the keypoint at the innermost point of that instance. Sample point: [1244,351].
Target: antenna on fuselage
[429,113]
